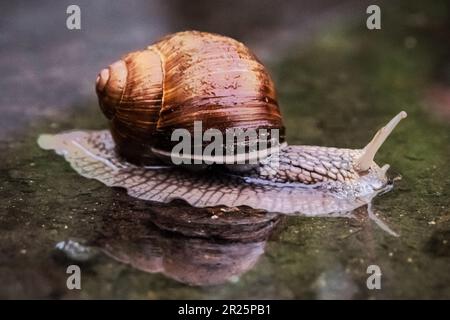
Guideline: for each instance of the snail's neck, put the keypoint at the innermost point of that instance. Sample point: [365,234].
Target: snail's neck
[307,165]
[331,169]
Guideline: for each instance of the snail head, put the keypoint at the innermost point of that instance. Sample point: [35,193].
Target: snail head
[366,164]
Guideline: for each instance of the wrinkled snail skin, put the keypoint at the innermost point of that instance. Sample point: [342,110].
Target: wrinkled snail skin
[195,76]
[311,165]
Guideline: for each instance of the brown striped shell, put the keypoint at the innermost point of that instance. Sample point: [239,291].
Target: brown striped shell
[185,77]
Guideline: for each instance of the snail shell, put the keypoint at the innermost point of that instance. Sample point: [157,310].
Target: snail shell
[186,77]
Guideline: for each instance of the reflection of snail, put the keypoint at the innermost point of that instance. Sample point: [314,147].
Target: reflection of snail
[192,76]
[227,249]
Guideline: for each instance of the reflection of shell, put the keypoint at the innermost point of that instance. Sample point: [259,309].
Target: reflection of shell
[240,225]
[205,259]
[204,262]
[186,77]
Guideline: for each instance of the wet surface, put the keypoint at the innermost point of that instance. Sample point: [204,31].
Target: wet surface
[337,84]
[207,249]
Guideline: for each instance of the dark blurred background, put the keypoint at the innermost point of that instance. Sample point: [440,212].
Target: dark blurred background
[47,68]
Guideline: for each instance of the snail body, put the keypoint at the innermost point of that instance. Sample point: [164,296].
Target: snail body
[195,76]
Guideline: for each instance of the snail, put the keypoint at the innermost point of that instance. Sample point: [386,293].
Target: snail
[190,77]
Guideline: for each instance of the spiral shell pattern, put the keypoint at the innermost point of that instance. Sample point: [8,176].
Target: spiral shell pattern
[185,77]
